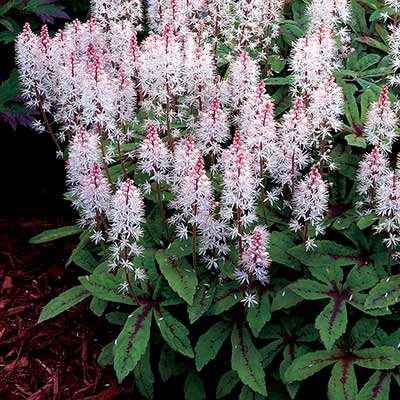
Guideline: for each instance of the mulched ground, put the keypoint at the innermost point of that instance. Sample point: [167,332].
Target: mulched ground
[55,359]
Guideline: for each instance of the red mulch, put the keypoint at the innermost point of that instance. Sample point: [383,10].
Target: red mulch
[56,359]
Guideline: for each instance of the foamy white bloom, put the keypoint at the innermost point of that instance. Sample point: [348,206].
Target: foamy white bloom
[238,200]
[388,209]
[106,11]
[84,154]
[310,203]
[249,299]
[154,156]
[126,217]
[255,260]
[259,130]
[242,82]
[295,143]
[381,123]
[372,169]
[313,59]
[213,129]
[329,12]
[162,68]
[199,74]
[93,197]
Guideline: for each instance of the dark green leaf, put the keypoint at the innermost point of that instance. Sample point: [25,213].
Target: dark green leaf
[63,302]
[132,342]
[194,387]
[54,234]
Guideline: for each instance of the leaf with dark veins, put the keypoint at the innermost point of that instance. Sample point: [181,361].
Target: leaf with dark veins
[377,387]
[132,342]
[246,360]
[343,382]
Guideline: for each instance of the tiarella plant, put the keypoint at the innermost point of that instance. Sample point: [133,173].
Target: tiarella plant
[234,167]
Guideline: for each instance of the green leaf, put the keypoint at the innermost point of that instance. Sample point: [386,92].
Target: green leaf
[98,306]
[174,332]
[179,274]
[246,360]
[343,382]
[84,259]
[332,322]
[372,43]
[310,290]
[117,317]
[356,141]
[247,394]
[202,300]
[308,364]
[385,293]
[106,356]
[226,296]
[227,383]
[377,387]
[132,342]
[63,302]
[209,343]
[259,314]
[194,387]
[105,286]
[285,298]
[54,234]
[384,357]
[280,243]
[328,275]
[361,277]
[366,220]
[270,351]
[168,366]
[144,377]
[362,331]
[326,254]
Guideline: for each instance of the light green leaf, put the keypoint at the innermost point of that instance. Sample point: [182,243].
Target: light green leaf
[310,290]
[384,357]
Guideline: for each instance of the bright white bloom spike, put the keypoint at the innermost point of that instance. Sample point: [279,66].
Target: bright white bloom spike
[106,11]
[199,74]
[213,129]
[258,127]
[154,156]
[295,142]
[372,169]
[313,59]
[381,123]
[388,208]
[84,154]
[329,12]
[162,68]
[93,197]
[310,203]
[126,216]
[242,82]
[255,260]
[238,201]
